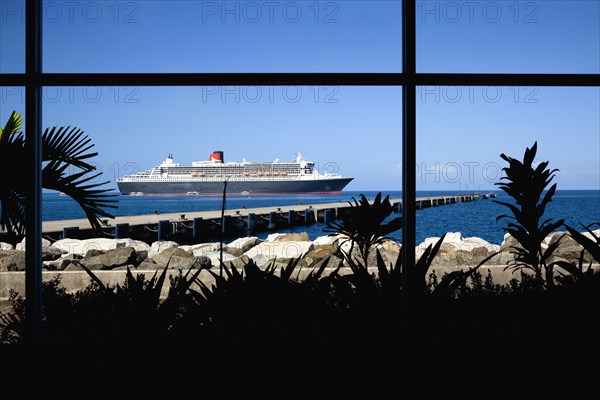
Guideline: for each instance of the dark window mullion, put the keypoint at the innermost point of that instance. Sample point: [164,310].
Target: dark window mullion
[357,79]
[33,196]
[409,116]
[236,79]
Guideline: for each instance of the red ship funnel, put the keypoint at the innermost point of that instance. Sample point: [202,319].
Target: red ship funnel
[216,156]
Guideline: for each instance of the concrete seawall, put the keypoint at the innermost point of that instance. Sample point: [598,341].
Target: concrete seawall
[74,281]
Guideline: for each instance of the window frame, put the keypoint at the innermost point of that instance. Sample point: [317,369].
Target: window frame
[34,79]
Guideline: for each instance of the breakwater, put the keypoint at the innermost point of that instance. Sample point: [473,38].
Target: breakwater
[201,226]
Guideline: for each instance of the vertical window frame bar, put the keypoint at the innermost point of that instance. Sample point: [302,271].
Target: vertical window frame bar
[409,116]
[33,153]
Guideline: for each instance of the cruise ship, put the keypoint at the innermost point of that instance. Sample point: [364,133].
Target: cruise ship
[244,178]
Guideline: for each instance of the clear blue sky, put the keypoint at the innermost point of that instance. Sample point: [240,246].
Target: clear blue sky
[356,130]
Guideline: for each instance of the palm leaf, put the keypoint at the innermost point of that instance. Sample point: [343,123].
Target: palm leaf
[62,148]
[12,127]
[515,210]
[92,200]
[94,277]
[548,252]
[67,145]
[550,227]
[455,279]
[530,155]
[588,244]
[424,263]
[12,211]
[547,198]
[286,272]
[314,276]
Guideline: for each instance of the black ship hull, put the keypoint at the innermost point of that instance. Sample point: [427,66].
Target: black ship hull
[214,188]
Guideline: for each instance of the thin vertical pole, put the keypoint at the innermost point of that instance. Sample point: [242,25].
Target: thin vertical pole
[409,127]
[33,197]
[222,227]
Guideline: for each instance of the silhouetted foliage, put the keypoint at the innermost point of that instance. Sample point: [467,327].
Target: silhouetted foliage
[589,245]
[526,184]
[579,273]
[365,225]
[264,330]
[63,149]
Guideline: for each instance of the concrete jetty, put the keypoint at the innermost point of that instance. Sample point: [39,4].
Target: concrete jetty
[196,227]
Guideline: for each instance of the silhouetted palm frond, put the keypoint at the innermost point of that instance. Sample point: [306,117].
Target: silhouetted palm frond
[67,145]
[63,149]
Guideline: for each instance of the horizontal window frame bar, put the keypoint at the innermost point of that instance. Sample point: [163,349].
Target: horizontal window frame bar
[298,79]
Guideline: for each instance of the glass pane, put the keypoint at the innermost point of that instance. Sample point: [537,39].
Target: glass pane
[12,36]
[544,36]
[12,98]
[462,131]
[222,36]
[351,131]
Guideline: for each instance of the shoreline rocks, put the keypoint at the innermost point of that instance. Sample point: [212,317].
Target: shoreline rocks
[110,254]
[109,258]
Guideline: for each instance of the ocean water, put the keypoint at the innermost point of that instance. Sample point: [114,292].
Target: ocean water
[471,219]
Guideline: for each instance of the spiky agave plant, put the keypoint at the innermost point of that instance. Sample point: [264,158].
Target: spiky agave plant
[526,184]
[63,148]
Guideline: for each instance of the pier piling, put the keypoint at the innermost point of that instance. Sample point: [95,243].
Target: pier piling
[273,219]
[328,216]
[251,222]
[197,227]
[121,231]
[309,216]
[165,230]
[71,232]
